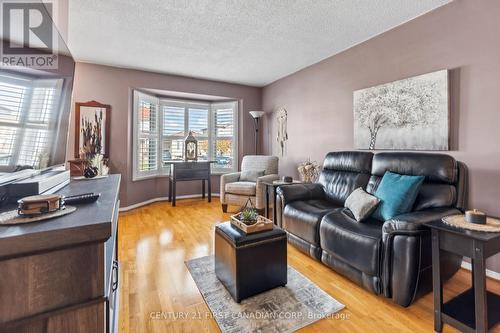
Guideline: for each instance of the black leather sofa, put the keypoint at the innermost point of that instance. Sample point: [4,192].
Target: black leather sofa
[391,258]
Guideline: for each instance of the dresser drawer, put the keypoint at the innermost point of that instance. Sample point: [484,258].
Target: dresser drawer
[51,280]
[192,166]
[191,174]
[85,318]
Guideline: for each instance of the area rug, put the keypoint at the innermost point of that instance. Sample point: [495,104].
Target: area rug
[283,309]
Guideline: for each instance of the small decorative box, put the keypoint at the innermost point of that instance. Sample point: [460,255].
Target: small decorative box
[40,204]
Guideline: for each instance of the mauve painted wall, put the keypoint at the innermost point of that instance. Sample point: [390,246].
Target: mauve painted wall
[111,85]
[463,36]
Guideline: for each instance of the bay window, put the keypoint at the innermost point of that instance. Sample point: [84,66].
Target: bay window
[162,124]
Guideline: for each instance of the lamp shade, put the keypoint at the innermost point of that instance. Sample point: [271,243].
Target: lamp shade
[256,114]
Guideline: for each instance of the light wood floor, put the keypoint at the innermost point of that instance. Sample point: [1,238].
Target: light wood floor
[156,240]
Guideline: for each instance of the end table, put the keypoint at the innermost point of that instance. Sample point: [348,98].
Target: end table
[186,171]
[476,309]
[271,187]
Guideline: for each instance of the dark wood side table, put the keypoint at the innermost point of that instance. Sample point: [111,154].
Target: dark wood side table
[186,171]
[476,309]
[271,188]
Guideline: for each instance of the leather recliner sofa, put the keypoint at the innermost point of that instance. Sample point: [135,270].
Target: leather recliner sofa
[390,258]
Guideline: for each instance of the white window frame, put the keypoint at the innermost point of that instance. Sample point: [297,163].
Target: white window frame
[235,106]
[163,170]
[137,135]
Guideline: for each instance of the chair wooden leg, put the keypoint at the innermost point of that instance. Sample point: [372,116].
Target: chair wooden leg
[224,208]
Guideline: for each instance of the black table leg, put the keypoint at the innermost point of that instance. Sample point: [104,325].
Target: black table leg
[209,185]
[174,188]
[106,302]
[203,188]
[169,189]
[267,201]
[479,276]
[436,282]
[274,205]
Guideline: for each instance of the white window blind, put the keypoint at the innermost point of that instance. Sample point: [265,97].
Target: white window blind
[213,125]
[28,113]
[198,120]
[12,97]
[174,120]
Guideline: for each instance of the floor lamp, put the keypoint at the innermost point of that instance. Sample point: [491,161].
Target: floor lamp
[256,115]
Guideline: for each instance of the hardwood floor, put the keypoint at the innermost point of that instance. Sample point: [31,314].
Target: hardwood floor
[159,295]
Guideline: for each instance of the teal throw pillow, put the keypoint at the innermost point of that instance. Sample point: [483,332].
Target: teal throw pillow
[397,194]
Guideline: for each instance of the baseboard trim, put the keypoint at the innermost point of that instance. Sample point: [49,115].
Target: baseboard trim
[489,273]
[158,199]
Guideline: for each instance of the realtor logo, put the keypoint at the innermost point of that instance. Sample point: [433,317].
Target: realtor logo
[28,34]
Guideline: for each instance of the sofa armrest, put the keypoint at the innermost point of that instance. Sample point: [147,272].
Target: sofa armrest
[299,192]
[226,179]
[296,192]
[260,189]
[407,263]
[413,222]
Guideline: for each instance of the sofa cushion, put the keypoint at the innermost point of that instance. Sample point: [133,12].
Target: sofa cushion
[343,172]
[442,173]
[242,188]
[357,244]
[302,218]
[397,194]
[437,168]
[361,204]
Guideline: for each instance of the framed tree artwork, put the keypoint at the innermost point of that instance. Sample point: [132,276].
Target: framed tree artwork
[92,122]
[409,114]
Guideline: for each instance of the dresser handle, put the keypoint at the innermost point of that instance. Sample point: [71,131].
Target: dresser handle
[116,274]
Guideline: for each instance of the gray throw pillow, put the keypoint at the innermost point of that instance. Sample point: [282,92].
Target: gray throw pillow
[251,175]
[361,204]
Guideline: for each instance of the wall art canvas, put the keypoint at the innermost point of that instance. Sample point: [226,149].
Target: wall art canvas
[92,129]
[409,114]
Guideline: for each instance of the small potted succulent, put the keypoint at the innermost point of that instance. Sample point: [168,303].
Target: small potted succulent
[249,216]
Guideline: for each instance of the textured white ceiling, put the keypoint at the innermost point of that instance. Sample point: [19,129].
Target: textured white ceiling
[253,42]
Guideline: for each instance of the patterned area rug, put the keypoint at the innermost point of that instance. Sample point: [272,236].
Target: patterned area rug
[283,309]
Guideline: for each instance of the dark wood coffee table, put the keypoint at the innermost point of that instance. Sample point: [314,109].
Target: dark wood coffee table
[476,309]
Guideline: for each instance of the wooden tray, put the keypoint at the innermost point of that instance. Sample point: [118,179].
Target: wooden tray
[262,224]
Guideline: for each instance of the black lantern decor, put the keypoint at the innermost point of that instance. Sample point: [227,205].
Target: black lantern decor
[190,147]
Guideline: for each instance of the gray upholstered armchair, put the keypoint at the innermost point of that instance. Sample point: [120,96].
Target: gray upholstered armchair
[235,189]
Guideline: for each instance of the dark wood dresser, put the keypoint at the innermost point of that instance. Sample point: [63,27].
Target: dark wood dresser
[61,275]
